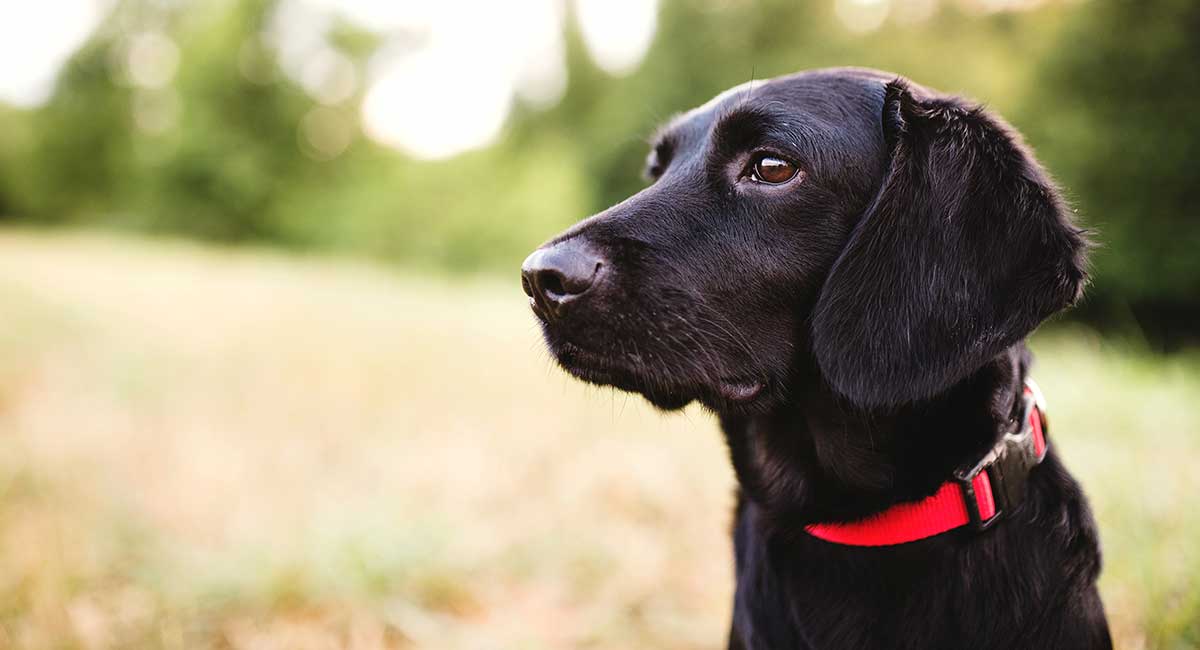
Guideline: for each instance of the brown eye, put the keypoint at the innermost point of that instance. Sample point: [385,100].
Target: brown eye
[772,170]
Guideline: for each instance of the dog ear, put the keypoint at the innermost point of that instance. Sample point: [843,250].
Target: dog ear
[965,249]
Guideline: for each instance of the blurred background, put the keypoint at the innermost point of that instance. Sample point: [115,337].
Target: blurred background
[268,380]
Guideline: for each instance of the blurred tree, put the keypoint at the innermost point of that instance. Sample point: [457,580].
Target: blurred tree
[229,159]
[224,147]
[82,143]
[15,148]
[1114,114]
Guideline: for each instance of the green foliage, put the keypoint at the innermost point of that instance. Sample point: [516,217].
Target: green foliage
[221,171]
[1117,120]
[1103,90]
[78,145]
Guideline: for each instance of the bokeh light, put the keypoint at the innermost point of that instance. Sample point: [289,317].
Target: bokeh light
[617,33]
[862,15]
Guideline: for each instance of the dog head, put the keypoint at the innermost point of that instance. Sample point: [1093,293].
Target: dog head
[893,238]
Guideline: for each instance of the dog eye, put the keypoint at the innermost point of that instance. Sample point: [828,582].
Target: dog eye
[772,170]
[657,160]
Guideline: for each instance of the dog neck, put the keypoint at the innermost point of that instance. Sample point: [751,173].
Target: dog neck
[816,458]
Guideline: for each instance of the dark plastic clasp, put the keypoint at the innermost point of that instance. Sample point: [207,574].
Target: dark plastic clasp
[1007,465]
[967,483]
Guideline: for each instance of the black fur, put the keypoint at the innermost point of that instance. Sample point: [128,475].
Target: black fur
[859,333]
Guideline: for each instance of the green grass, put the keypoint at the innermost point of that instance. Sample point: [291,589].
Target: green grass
[205,448]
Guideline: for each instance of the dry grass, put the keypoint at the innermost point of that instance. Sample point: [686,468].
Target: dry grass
[205,448]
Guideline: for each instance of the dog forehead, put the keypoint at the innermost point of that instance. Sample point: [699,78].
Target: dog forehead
[831,95]
[814,89]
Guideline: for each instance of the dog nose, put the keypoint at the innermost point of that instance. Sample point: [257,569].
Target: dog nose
[556,275]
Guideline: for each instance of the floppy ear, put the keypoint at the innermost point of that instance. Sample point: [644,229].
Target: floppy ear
[965,249]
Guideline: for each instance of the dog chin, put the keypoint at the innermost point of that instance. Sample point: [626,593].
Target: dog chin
[725,394]
[601,371]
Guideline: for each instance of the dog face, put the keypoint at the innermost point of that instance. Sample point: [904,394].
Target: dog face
[838,226]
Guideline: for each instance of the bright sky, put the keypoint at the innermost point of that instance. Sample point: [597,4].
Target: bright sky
[453,92]
[444,81]
[36,38]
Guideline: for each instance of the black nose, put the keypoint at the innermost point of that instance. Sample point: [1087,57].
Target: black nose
[557,275]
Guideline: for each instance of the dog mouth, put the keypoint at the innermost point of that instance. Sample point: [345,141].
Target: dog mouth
[598,367]
[630,372]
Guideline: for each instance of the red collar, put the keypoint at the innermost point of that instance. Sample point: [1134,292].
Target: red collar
[977,496]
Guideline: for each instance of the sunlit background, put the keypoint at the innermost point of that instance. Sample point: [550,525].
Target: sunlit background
[267,379]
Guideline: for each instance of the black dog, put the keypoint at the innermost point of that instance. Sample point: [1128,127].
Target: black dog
[843,265]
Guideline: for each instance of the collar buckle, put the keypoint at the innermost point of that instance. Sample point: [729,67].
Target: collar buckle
[977,496]
[1007,465]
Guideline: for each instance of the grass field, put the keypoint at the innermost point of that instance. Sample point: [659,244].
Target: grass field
[204,448]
